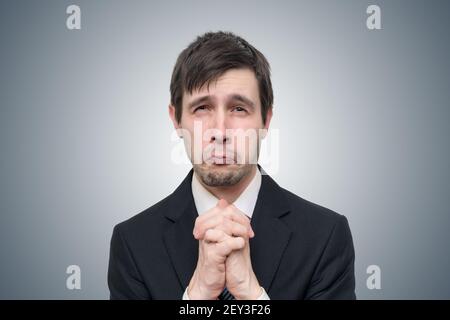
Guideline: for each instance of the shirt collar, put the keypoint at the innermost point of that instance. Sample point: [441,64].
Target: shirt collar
[205,200]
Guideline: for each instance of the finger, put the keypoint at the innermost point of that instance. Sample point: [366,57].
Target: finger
[215,235]
[224,248]
[236,215]
[227,225]
[228,210]
[233,228]
[202,226]
[222,204]
[214,211]
[221,209]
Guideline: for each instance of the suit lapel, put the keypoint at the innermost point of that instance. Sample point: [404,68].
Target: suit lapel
[271,234]
[181,245]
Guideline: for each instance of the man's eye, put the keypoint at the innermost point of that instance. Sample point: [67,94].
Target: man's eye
[240,109]
[200,108]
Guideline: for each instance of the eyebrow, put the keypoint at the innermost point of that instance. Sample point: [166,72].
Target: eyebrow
[232,97]
[243,99]
[199,100]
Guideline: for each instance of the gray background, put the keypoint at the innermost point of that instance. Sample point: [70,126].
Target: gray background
[85,135]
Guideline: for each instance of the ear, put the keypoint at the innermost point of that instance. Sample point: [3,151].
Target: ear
[176,124]
[172,116]
[268,119]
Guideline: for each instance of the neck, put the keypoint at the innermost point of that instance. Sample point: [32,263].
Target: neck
[231,193]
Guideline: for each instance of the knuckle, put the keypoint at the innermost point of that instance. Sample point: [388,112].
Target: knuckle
[197,223]
[209,234]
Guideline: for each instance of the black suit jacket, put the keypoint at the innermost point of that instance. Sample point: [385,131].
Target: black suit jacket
[300,250]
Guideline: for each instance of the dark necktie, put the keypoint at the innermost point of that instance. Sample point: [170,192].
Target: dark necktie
[226,295]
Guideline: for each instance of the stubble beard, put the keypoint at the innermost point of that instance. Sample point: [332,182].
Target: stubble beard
[222,175]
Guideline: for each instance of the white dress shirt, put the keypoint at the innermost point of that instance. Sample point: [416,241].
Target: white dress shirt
[205,200]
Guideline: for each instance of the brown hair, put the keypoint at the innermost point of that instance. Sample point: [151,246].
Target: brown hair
[209,57]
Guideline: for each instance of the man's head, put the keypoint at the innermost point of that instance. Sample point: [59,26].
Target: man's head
[220,93]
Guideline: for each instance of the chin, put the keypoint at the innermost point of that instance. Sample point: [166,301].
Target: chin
[216,175]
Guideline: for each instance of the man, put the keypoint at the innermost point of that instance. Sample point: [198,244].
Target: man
[229,231]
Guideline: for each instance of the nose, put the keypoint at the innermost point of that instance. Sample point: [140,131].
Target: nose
[219,134]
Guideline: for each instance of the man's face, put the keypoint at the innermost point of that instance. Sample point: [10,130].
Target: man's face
[221,126]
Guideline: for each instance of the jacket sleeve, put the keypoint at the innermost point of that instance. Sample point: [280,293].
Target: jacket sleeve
[124,280]
[334,277]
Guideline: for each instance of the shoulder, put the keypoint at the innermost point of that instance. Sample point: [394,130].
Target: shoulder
[147,221]
[151,222]
[311,217]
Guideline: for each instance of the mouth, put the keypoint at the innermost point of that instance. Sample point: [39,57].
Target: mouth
[224,160]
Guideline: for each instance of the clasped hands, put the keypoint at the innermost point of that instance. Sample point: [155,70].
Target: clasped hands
[223,233]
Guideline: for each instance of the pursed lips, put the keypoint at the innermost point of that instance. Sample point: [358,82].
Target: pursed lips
[221,160]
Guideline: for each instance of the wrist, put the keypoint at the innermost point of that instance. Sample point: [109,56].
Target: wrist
[252,291]
[196,292]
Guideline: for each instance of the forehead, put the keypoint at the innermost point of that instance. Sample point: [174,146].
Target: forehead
[233,81]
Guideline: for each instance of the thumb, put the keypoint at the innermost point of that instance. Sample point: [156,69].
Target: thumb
[222,203]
